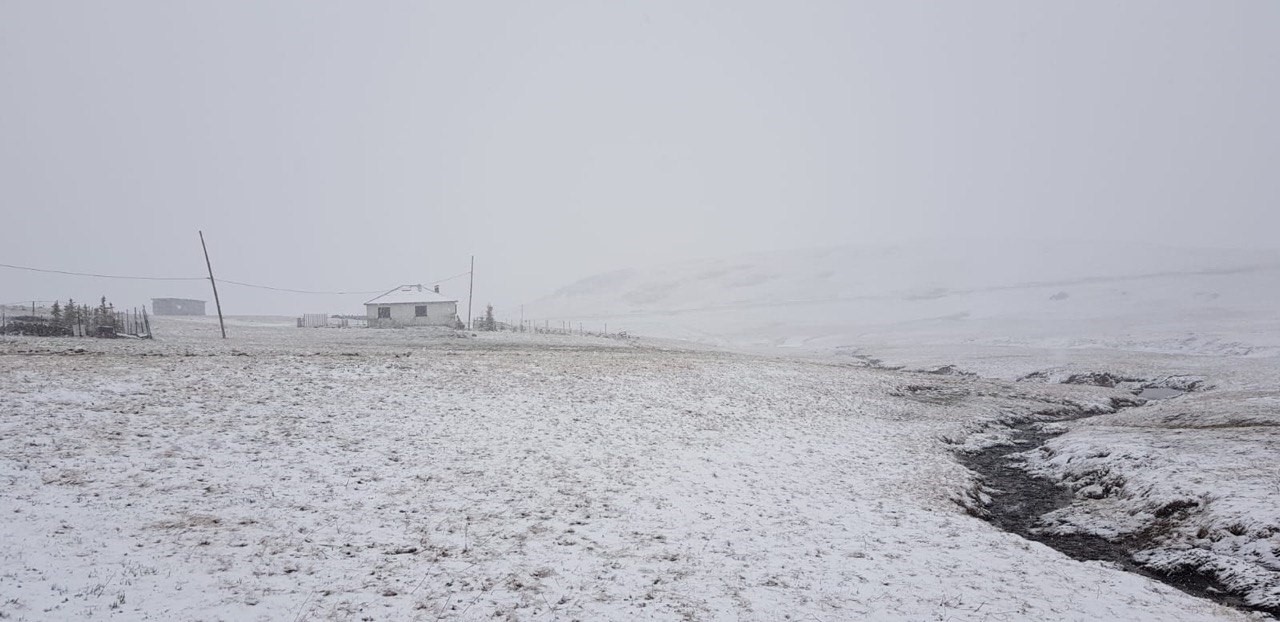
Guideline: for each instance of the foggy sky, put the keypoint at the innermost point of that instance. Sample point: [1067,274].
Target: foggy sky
[342,145]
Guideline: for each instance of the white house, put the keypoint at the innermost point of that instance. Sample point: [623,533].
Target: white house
[411,305]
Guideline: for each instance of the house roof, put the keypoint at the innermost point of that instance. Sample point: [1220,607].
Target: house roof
[409,294]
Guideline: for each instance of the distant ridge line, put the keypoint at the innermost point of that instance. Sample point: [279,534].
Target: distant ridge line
[941,293]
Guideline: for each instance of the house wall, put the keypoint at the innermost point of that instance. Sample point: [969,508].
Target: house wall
[438,314]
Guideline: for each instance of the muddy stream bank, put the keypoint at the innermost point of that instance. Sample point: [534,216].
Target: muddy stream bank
[1019,499]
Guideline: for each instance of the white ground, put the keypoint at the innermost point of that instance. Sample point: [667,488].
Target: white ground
[1198,474]
[1012,309]
[292,474]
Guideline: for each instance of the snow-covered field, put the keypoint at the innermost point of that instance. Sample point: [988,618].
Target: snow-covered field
[291,474]
[1193,482]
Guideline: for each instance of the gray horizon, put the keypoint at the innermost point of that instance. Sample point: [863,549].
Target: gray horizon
[327,146]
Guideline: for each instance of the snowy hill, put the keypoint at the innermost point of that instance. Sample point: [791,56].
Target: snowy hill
[1138,296]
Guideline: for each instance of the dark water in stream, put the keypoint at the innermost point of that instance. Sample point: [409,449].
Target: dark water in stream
[1021,499]
[1159,393]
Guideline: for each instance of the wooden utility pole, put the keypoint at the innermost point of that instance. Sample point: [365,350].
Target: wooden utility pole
[217,303]
[471,290]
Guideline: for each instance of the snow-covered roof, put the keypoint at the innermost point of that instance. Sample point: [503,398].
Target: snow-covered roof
[409,294]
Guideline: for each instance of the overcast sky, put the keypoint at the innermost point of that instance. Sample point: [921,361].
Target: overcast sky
[358,145]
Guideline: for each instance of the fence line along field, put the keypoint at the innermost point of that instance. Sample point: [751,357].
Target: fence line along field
[289,474]
[55,319]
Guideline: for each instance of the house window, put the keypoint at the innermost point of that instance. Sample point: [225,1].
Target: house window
[420,311]
[384,313]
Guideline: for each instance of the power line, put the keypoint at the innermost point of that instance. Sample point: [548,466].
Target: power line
[460,274]
[106,276]
[227,281]
[342,293]
[23,303]
[295,291]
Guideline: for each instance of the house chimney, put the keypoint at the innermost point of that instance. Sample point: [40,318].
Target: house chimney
[437,289]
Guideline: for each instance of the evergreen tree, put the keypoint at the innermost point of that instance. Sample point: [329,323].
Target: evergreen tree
[489,323]
[72,314]
[56,312]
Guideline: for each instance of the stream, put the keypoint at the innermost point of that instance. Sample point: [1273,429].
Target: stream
[1020,499]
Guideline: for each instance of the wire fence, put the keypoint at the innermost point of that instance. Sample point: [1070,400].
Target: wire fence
[38,318]
[546,327]
[49,321]
[324,320]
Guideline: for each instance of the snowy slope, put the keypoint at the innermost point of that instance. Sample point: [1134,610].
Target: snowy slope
[1192,481]
[1079,295]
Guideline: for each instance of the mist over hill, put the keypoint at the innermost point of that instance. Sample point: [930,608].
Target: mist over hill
[1136,296]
